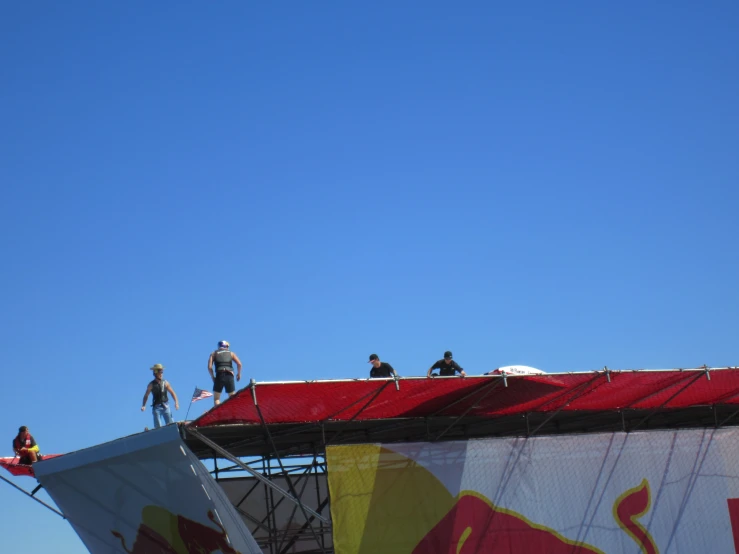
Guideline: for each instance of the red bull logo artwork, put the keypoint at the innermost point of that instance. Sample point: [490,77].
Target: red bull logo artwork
[474,526]
[162,532]
[408,510]
[628,508]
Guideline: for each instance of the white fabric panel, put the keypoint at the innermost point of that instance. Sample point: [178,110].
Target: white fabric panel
[570,483]
[151,491]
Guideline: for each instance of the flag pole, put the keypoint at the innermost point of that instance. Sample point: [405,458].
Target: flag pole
[190,406]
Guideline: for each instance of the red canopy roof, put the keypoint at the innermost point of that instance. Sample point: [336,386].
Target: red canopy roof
[485,396]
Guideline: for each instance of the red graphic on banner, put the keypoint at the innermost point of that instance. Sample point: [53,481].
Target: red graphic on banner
[147,541]
[734,517]
[630,506]
[475,526]
[162,532]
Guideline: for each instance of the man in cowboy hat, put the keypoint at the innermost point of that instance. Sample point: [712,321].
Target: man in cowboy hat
[160,402]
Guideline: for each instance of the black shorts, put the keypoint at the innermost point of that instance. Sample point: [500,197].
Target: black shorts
[224,379]
[25,460]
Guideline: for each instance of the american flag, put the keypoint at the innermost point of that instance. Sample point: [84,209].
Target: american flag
[199,394]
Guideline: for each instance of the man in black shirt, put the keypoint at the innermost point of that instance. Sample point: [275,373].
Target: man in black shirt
[447,367]
[380,369]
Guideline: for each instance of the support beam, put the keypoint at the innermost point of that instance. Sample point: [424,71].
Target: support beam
[491,385]
[226,454]
[579,391]
[657,409]
[290,519]
[302,507]
[289,545]
[57,512]
[366,405]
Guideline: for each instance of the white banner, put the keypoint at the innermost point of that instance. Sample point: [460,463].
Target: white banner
[643,492]
[145,494]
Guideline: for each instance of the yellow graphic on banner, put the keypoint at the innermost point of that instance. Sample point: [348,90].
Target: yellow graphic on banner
[372,509]
[163,532]
[628,508]
[382,501]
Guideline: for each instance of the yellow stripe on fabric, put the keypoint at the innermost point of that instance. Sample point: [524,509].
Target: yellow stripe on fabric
[381,501]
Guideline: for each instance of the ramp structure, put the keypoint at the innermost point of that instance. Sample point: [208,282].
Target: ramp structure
[606,461]
[144,494]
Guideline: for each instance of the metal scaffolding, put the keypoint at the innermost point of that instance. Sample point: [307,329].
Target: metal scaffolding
[276,473]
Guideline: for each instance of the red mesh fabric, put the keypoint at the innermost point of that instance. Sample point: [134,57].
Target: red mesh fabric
[476,396]
[12,465]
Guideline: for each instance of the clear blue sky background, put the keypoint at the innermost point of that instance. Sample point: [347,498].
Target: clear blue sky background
[549,184]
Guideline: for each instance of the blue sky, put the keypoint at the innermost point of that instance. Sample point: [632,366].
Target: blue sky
[545,184]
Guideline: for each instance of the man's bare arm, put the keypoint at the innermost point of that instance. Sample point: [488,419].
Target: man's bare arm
[210,366]
[176,402]
[143,402]
[238,366]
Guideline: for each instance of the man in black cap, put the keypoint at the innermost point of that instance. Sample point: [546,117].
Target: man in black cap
[447,367]
[380,369]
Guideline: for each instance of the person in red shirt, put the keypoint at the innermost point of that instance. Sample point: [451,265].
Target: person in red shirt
[25,447]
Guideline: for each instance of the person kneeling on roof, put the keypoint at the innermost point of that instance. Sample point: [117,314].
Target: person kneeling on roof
[447,367]
[380,369]
[25,447]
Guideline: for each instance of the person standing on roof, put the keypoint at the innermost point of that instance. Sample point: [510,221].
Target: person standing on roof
[25,447]
[160,401]
[223,360]
[447,367]
[380,369]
